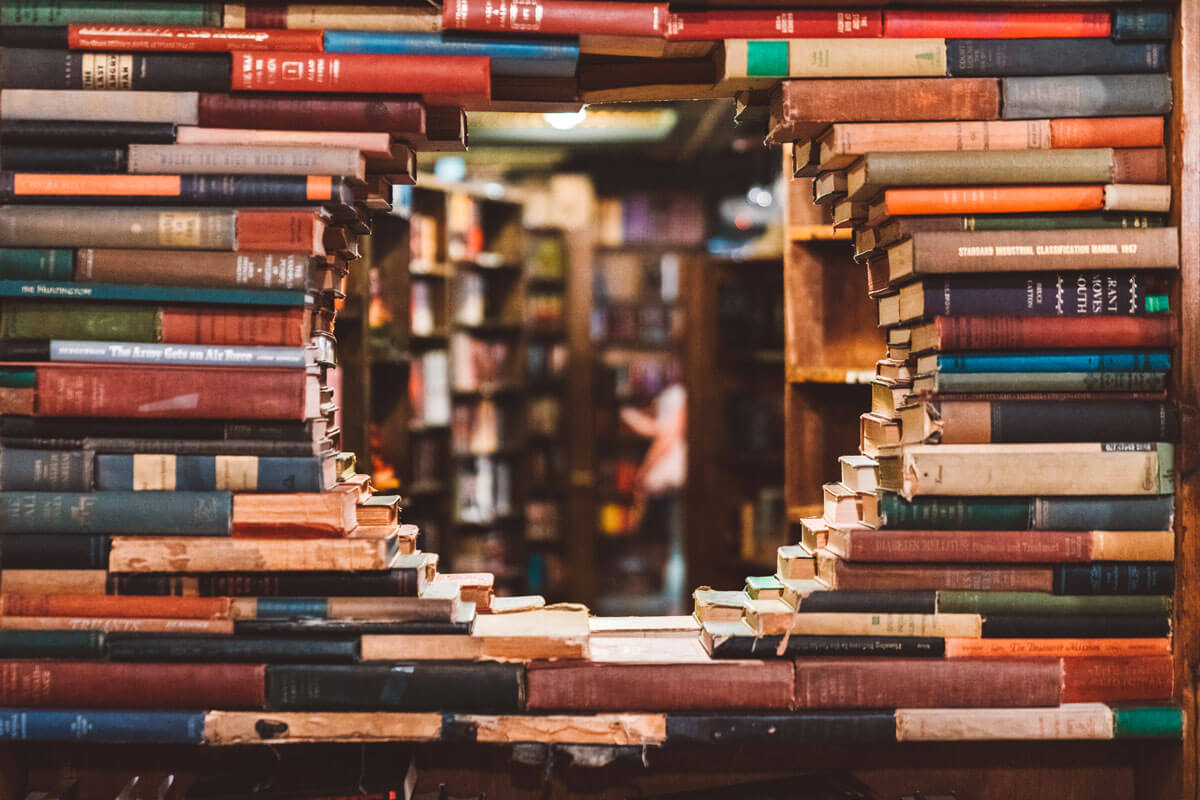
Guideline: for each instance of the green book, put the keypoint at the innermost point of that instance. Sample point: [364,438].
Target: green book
[18,378]
[764,587]
[1050,604]
[36,265]
[51,644]
[1147,722]
[1065,222]
[115,322]
[111,12]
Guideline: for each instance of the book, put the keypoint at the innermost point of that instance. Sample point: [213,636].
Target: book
[395,582]
[241,727]
[66,644]
[1119,578]
[1057,648]
[98,684]
[1044,361]
[442,76]
[195,268]
[1073,721]
[1078,626]
[1132,513]
[478,688]
[809,728]
[1085,383]
[139,554]
[833,58]
[55,551]
[1086,96]
[867,624]
[320,514]
[1026,251]
[1069,56]
[772,24]
[85,105]
[509,56]
[1111,680]
[374,146]
[995,332]
[1056,605]
[168,38]
[522,636]
[135,322]
[39,350]
[68,605]
[927,683]
[108,390]
[1073,468]
[843,143]
[175,513]
[298,230]
[1147,722]
[162,472]
[950,420]
[35,133]
[1000,546]
[431,606]
[26,68]
[1005,24]
[1014,200]
[1045,294]
[737,640]
[139,12]
[132,647]
[94,624]
[270,190]
[568,17]
[331,16]
[651,674]
[877,171]
[795,102]
[108,727]
[195,159]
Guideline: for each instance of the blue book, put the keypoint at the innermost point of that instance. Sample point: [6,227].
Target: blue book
[123,513]
[543,58]
[113,727]
[1063,361]
[56,290]
[213,473]
[152,353]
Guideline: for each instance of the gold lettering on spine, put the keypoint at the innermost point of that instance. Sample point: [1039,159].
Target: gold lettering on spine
[106,71]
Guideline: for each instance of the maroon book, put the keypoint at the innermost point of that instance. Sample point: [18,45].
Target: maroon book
[395,115]
[1111,680]
[99,684]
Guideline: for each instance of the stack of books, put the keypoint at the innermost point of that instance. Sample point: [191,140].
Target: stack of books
[1010,509]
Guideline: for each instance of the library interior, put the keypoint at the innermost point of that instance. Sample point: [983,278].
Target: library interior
[707,399]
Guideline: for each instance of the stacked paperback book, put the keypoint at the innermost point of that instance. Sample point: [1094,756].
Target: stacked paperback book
[1003,538]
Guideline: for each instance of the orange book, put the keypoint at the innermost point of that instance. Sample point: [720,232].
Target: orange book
[1106,132]
[126,606]
[988,200]
[1055,648]
[318,514]
[217,627]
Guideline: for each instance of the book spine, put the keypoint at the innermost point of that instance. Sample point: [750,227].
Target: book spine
[1034,626]
[1080,721]
[195,159]
[901,100]
[65,644]
[43,321]
[325,16]
[994,200]
[1060,221]
[280,229]
[1056,648]
[1119,578]
[969,58]
[36,265]
[361,72]
[162,38]
[1026,513]
[45,470]
[54,551]
[569,17]
[1114,680]
[1034,333]
[92,429]
[97,684]
[902,23]
[175,513]
[112,12]
[193,229]
[84,105]
[1052,604]
[716,24]
[1137,197]
[857,727]
[71,70]
[230,326]
[1025,251]
[232,649]
[1148,722]
[195,268]
[1138,165]
[802,646]
[834,58]
[68,605]
[180,447]
[47,290]
[107,727]
[168,392]
[1086,96]
[159,554]
[1109,132]
[1133,24]
[863,601]
[202,189]
[169,354]
[399,117]
[965,168]
[530,57]
[53,581]
[479,688]
[959,546]
[1107,361]
[918,683]
[60,133]
[1052,382]
[162,472]
[1001,421]
[1048,294]
[27,158]
[155,625]
[390,583]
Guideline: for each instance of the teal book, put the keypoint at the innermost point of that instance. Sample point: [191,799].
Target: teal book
[63,290]
[56,13]
[1147,722]
[66,644]
[29,264]
[1111,513]
[118,513]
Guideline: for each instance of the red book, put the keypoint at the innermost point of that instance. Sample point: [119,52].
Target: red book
[99,684]
[1040,24]
[114,606]
[234,325]
[1047,333]
[200,40]
[1110,680]
[95,390]
[287,230]
[449,77]
[273,112]
[557,16]
[773,24]
[926,683]
[1030,547]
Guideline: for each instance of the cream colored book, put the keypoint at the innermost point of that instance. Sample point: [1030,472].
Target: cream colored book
[834,58]
[414,18]
[964,626]
[377,146]
[259,727]
[794,562]
[86,105]
[1130,197]
[1068,721]
[246,159]
[601,729]
[543,634]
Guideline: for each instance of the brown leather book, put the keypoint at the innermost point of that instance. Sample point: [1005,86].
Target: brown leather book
[98,684]
[1111,680]
[332,513]
[838,574]
[656,674]
[926,683]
